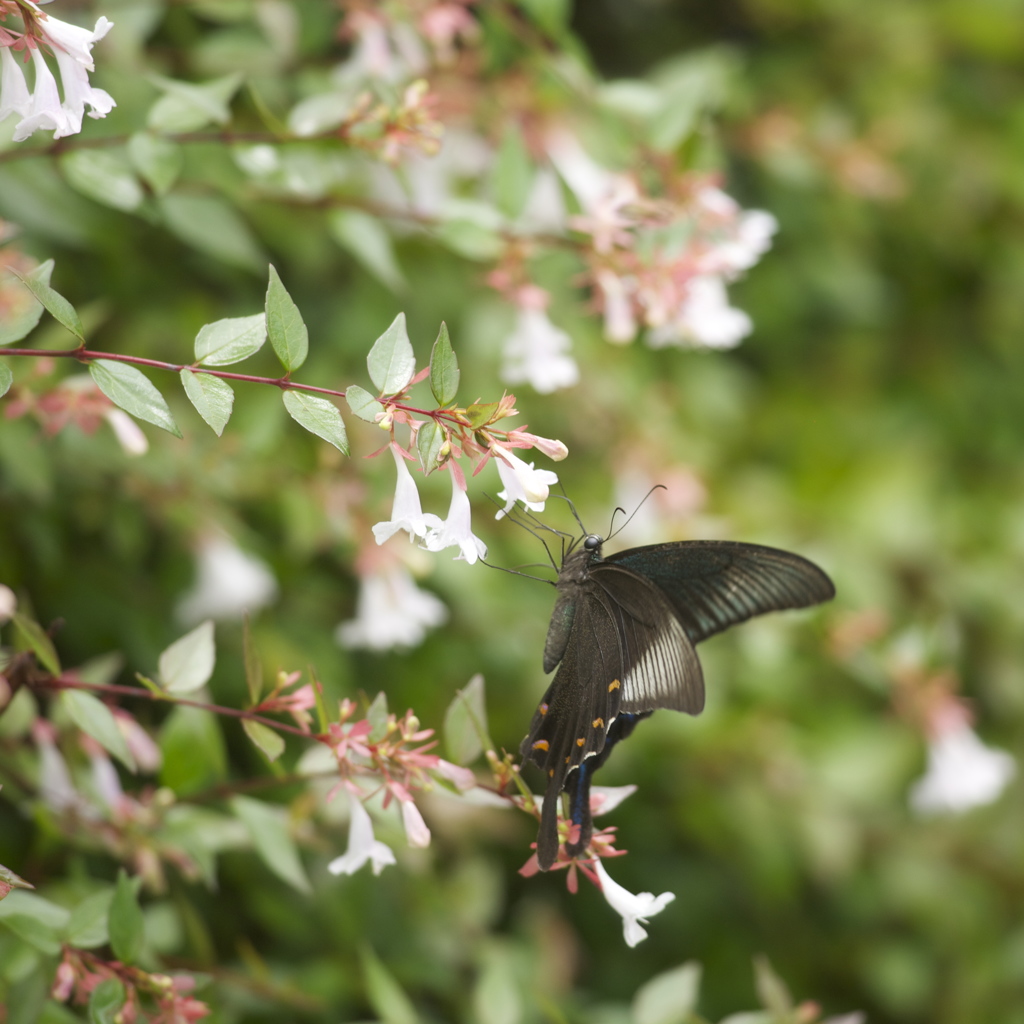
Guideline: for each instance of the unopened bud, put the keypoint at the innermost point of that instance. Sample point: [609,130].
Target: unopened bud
[386,421]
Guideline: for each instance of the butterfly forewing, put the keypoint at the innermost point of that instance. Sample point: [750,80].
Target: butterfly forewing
[715,584]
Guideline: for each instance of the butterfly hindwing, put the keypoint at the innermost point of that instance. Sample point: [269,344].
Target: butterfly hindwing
[659,667]
[715,584]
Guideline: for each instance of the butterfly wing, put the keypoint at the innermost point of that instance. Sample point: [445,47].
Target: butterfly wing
[713,584]
[626,652]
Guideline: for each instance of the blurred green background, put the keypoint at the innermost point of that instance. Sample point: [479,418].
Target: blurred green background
[871,422]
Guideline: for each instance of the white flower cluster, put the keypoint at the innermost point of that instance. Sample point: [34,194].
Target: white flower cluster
[41,108]
[391,611]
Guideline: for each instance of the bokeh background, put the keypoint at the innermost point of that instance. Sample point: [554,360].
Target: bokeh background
[872,421]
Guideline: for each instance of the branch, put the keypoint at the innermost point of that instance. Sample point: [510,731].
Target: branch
[85,355]
[64,682]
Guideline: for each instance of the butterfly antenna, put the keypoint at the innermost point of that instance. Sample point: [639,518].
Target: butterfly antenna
[640,505]
[516,572]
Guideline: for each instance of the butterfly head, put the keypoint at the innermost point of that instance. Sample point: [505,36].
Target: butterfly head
[592,543]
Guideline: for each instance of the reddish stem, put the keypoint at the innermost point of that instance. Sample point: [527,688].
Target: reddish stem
[64,682]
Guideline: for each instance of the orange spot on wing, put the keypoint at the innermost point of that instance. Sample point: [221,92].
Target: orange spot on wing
[541,745]
[598,723]
[543,709]
[581,741]
[613,685]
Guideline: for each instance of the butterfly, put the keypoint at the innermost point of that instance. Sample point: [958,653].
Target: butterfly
[623,636]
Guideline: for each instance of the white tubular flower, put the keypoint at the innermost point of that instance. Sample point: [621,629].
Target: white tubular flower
[619,320]
[14,95]
[537,353]
[8,604]
[391,611]
[416,831]
[962,773]
[362,846]
[456,530]
[105,780]
[406,512]
[128,433]
[78,93]
[705,318]
[522,482]
[588,180]
[229,582]
[45,112]
[634,910]
[606,798]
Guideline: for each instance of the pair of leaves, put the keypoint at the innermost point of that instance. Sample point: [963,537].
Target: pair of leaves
[229,341]
[392,366]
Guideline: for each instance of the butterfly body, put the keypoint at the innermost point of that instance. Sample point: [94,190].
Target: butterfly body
[623,636]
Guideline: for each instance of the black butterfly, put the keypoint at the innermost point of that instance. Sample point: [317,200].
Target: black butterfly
[622,635]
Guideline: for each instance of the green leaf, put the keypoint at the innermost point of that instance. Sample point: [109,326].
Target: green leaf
[35,920]
[377,716]
[188,663]
[288,333]
[497,997]
[362,403]
[22,310]
[465,723]
[550,15]
[429,439]
[125,921]
[268,741]
[386,996]
[193,751]
[367,239]
[102,669]
[87,927]
[28,998]
[37,640]
[38,283]
[212,397]
[93,717]
[106,1001]
[186,106]
[771,989]
[104,175]
[268,828]
[480,413]
[231,340]
[6,378]
[253,665]
[471,240]
[318,416]
[133,391]
[212,226]
[391,361]
[159,161]
[444,369]
[668,998]
[513,173]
